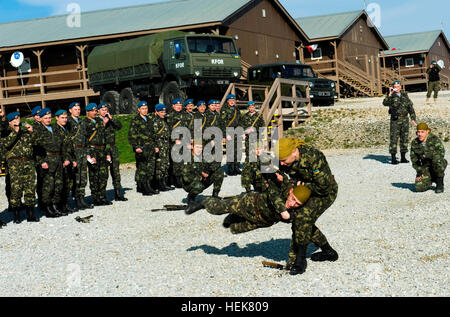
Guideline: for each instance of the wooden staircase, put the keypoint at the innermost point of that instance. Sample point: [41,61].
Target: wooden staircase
[357,79]
[389,76]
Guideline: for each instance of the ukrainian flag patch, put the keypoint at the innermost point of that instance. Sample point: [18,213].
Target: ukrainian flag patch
[316,172]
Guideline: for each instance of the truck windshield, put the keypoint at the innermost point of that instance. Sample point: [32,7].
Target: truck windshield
[207,44]
[293,71]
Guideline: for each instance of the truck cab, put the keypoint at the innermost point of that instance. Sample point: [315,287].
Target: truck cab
[322,91]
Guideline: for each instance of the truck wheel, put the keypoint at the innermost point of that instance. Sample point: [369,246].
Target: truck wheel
[128,102]
[112,97]
[171,91]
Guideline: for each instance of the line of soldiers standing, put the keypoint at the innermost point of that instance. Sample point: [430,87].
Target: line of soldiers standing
[53,160]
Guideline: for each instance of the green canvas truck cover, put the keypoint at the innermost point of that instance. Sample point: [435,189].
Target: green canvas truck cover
[142,50]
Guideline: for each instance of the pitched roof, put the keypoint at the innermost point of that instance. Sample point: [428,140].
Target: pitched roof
[153,16]
[412,42]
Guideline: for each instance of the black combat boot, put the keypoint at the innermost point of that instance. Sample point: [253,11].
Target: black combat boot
[82,204]
[215,193]
[105,202]
[327,254]
[2,224]
[439,185]
[16,212]
[299,265]
[178,182]
[193,207]
[403,158]
[394,159]
[230,219]
[59,210]
[50,212]
[30,214]
[162,186]
[118,195]
[147,189]
[66,208]
[237,171]
[166,183]
[139,187]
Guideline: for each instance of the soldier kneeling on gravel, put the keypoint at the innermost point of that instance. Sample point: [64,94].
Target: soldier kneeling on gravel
[198,175]
[427,157]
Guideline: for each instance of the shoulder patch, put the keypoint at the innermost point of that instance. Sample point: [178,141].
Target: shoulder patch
[316,172]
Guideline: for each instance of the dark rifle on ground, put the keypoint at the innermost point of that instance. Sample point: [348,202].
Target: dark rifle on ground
[170,208]
[274,265]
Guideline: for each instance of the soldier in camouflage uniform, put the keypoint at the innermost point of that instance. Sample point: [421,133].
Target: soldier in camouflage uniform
[434,83]
[141,138]
[198,175]
[69,162]
[174,120]
[307,165]
[251,123]
[18,145]
[231,117]
[213,120]
[400,106]
[161,132]
[36,124]
[111,126]
[78,141]
[98,154]
[428,159]
[51,164]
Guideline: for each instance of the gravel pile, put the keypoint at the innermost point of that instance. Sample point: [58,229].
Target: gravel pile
[391,242]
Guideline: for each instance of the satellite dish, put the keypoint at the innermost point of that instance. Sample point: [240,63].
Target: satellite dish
[441,63]
[17,59]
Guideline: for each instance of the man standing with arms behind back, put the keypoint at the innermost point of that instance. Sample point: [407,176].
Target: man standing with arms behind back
[400,106]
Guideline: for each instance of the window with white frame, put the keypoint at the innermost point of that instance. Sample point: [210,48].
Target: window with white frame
[409,62]
[317,54]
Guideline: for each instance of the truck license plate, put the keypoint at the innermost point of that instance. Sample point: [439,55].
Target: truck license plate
[223,82]
[324,93]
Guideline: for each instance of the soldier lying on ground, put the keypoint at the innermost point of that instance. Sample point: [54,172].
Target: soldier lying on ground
[427,157]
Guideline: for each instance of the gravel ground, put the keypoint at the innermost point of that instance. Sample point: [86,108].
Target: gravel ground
[391,242]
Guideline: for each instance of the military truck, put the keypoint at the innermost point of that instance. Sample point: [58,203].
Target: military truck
[162,67]
[322,91]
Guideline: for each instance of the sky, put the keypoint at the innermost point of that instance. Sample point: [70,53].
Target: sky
[395,17]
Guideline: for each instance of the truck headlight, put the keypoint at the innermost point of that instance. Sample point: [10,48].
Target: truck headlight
[311,84]
[332,84]
[197,73]
[236,74]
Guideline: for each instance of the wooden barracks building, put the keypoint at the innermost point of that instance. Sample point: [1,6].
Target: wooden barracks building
[55,69]
[341,46]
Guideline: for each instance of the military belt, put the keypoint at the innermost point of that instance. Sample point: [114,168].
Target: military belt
[258,214]
[98,147]
[53,153]
[402,115]
[79,146]
[20,159]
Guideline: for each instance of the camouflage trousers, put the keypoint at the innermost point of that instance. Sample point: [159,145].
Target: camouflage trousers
[22,178]
[303,227]
[433,87]
[145,167]
[52,181]
[399,129]
[114,167]
[98,175]
[162,162]
[245,206]
[430,174]
[80,174]
[198,186]
[68,177]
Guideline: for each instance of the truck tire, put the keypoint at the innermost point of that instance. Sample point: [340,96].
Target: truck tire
[112,97]
[128,102]
[171,91]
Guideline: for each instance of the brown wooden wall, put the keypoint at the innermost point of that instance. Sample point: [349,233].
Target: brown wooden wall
[270,35]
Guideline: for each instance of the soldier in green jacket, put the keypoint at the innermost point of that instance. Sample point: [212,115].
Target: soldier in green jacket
[308,166]
[161,132]
[69,162]
[198,175]
[50,162]
[79,142]
[111,126]
[231,117]
[428,159]
[37,125]
[18,145]
[143,142]
[175,119]
[400,106]
[251,122]
[434,83]
[98,155]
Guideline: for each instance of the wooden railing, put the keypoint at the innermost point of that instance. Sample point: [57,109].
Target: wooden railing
[245,66]
[389,76]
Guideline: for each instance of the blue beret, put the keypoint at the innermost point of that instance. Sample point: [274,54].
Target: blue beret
[231,96]
[211,102]
[60,112]
[178,100]
[35,110]
[200,102]
[73,104]
[44,111]
[103,104]
[396,82]
[11,116]
[142,103]
[91,106]
[188,101]
[250,103]
[160,107]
